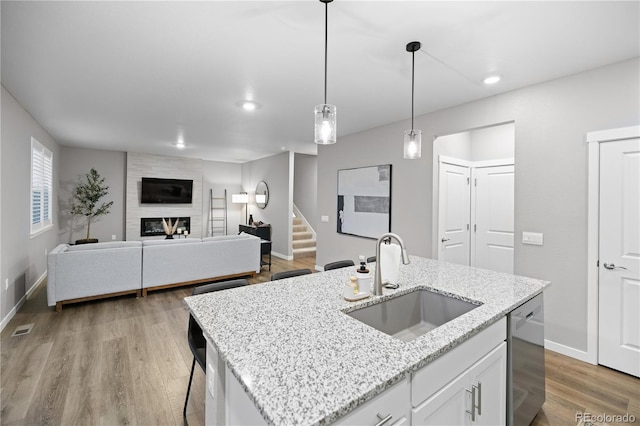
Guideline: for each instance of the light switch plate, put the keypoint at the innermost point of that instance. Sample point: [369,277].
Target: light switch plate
[324,218]
[534,238]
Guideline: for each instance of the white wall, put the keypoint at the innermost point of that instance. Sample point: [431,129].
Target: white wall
[305,186]
[551,121]
[486,143]
[75,163]
[23,262]
[457,145]
[492,143]
[277,172]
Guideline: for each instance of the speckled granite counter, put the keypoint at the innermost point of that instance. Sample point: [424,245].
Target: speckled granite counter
[302,360]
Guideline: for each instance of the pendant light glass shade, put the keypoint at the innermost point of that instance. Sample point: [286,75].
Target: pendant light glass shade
[324,114]
[325,124]
[412,144]
[413,137]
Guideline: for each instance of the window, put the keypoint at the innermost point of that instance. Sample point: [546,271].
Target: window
[41,187]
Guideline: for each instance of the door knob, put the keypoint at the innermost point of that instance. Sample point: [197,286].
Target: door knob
[444,239]
[612,266]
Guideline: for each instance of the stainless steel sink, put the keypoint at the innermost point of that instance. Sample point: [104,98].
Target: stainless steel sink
[413,314]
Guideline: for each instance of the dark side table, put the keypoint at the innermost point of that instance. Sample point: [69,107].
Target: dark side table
[264,232]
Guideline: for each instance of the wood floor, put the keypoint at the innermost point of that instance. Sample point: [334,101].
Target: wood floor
[126,361]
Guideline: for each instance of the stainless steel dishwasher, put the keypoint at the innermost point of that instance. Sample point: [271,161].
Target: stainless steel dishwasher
[525,362]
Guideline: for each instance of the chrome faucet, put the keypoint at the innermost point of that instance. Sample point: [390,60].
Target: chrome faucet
[377,282]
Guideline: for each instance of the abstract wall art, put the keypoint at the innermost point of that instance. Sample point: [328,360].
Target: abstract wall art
[364,201]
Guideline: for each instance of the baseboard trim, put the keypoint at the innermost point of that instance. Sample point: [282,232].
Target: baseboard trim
[319,268]
[281,256]
[14,310]
[570,352]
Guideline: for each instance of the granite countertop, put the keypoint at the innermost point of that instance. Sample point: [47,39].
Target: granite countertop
[303,361]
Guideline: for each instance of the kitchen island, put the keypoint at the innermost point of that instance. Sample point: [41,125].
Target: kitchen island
[298,358]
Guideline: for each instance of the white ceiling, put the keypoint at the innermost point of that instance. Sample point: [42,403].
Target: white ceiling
[132,76]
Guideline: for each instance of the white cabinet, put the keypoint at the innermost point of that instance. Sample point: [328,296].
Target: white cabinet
[489,376]
[465,386]
[392,407]
[446,407]
[226,401]
[459,388]
[476,397]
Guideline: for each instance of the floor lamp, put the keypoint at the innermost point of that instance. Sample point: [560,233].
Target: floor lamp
[242,198]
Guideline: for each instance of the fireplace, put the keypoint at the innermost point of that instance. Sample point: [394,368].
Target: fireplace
[151,226]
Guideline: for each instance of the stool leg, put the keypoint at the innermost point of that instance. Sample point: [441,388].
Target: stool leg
[186,400]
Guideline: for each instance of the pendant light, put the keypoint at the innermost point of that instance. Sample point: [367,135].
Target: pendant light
[325,114]
[413,137]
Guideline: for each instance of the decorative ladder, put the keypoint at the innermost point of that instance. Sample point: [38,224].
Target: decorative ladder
[217,214]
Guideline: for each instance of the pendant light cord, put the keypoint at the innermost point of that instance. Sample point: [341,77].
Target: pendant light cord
[326,19]
[413,65]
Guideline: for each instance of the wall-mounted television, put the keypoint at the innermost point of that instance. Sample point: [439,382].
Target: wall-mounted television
[166,191]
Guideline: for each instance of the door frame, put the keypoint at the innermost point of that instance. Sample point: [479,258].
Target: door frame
[593,228]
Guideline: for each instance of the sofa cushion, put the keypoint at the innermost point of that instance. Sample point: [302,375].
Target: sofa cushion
[107,245]
[224,237]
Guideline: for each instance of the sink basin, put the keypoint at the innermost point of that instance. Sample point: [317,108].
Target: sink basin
[413,314]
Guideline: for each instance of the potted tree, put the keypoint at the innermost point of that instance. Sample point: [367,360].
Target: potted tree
[86,197]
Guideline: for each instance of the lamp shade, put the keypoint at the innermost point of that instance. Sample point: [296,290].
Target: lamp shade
[243,197]
[325,124]
[412,144]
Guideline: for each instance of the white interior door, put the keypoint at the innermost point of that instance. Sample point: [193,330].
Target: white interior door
[619,256]
[453,217]
[492,239]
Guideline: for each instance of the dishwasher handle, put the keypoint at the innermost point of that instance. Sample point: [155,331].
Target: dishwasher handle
[521,320]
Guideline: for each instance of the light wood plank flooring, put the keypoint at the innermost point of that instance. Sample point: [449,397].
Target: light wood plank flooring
[126,361]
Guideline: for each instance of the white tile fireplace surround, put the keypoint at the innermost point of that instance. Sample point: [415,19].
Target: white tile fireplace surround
[158,166]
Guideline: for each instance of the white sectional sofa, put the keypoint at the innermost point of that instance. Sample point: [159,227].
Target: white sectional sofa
[93,271]
[170,263]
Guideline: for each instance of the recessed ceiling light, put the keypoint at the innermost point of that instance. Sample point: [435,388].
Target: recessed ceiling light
[249,105]
[492,79]
[180,145]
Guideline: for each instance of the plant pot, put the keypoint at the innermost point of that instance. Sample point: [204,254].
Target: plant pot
[87,241]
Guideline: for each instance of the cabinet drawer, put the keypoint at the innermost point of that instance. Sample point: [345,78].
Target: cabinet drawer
[428,380]
[392,404]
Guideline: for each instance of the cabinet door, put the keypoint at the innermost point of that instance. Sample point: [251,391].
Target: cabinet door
[489,375]
[445,407]
[458,403]
[390,408]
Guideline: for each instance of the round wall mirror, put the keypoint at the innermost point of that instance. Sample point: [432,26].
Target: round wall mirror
[262,195]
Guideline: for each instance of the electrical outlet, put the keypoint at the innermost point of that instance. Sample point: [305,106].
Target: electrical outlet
[113,237]
[6,284]
[324,218]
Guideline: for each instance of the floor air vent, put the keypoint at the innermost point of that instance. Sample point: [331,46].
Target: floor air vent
[21,330]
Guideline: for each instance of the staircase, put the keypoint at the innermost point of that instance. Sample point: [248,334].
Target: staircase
[304,242]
